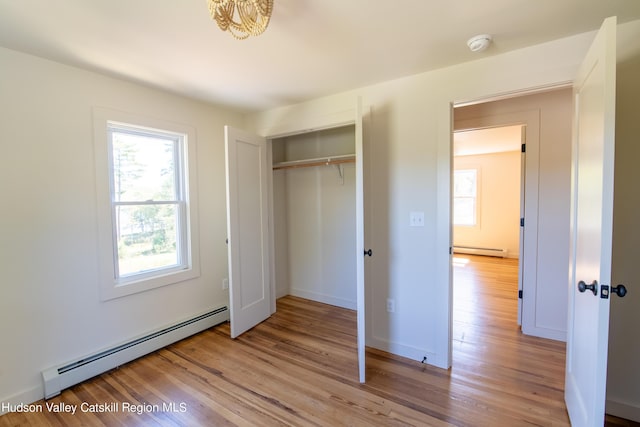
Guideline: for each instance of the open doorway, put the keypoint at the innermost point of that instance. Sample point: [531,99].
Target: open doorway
[488,193]
[487,203]
[545,119]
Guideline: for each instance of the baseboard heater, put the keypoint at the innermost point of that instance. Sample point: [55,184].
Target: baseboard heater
[59,378]
[501,253]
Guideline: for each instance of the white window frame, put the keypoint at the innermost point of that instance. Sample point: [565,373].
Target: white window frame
[112,285]
[476,197]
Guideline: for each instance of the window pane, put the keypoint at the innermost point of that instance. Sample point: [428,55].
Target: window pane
[464,183]
[465,187]
[464,211]
[143,167]
[146,237]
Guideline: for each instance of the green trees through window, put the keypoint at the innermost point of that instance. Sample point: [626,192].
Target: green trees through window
[147,199]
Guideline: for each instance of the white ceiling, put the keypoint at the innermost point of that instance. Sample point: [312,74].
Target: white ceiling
[312,48]
[485,141]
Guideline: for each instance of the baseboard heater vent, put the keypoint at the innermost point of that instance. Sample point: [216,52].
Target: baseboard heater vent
[59,378]
[502,253]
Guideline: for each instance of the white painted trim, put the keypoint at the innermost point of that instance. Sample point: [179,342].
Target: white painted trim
[444,240]
[516,94]
[25,397]
[309,124]
[324,298]
[360,248]
[530,119]
[621,409]
[109,287]
[408,351]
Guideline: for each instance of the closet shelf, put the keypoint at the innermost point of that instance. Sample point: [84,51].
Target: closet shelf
[320,161]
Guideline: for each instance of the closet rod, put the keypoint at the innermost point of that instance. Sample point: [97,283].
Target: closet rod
[323,161]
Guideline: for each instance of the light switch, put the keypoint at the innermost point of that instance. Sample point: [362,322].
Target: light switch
[416,219]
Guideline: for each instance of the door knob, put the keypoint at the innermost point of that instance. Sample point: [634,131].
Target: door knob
[620,290]
[593,287]
[368,252]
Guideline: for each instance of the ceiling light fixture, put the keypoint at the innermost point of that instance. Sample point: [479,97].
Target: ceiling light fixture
[479,43]
[242,18]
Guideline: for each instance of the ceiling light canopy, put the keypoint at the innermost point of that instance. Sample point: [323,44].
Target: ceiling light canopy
[242,18]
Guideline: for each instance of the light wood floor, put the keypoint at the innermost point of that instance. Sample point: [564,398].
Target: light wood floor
[299,368]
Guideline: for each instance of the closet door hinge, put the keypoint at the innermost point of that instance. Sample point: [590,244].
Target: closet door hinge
[521,222]
[524,148]
[520,294]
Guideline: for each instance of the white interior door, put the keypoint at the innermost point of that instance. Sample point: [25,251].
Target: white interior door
[250,296]
[591,230]
[360,248]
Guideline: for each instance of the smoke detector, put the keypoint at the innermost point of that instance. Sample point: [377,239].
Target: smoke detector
[479,43]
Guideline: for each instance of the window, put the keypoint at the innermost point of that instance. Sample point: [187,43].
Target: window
[465,191]
[148,201]
[146,216]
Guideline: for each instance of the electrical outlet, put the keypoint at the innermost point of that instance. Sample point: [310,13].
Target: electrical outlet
[225,283]
[391,305]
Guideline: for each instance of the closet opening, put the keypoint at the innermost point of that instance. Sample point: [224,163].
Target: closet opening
[314,216]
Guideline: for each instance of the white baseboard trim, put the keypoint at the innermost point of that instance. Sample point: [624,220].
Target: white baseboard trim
[326,299]
[550,334]
[624,410]
[407,351]
[26,397]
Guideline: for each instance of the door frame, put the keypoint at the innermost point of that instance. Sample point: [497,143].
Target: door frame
[530,121]
[444,240]
[281,130]
[351,117]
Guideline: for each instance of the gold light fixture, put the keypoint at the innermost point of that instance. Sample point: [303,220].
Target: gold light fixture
[242,18]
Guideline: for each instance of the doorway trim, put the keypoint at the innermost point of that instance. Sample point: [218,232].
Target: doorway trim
[308,123]
[444,232]
[530,120]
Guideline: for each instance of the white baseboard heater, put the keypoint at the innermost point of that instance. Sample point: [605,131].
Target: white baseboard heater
[501,253]
[59,378]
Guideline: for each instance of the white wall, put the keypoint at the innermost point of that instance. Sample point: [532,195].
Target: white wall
[545,297]
[498,202]
[623,381]
[408,153]
[50,308]
[315,235]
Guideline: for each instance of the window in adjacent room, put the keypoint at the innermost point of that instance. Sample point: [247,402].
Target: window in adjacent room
[146,219]
[465,192]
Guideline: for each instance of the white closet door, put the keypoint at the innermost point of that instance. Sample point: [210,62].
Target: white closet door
[248,230]
[360,248]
